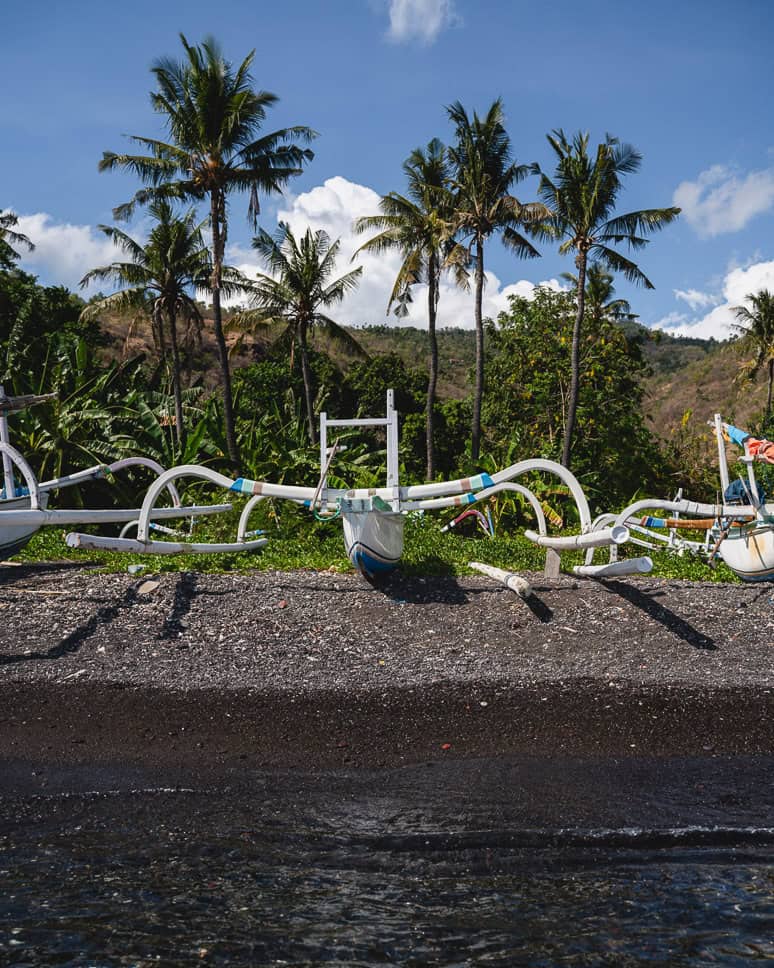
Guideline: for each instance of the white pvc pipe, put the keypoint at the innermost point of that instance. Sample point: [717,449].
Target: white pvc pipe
[630,566]
[687,507]
[163,481]
[722,460]
[90,474]
[95,542]
[518,489]
[591,539]
[27,473]
[9,482]
[510,579]
[120,465]
[41,518]
[243,517]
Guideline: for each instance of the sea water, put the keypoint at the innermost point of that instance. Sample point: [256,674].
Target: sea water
[288,871]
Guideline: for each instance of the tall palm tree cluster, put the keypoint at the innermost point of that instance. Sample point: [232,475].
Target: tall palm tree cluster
[457,198]
[461,196]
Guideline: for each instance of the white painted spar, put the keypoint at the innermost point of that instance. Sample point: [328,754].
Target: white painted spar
[693,508]
[10,491]
[630,566]
[591,539]
[510,579]
[94,542]
[41,517]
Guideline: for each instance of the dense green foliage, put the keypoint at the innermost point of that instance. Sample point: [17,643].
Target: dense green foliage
[530,364]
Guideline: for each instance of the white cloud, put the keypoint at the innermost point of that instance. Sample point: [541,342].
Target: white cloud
[333,206]
[420,20]
[722,200]
[694,298]
[738,284]
[64,253]
[671,321]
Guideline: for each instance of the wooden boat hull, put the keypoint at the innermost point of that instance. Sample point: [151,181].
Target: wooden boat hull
[749,552]
[13,537]
[373,539]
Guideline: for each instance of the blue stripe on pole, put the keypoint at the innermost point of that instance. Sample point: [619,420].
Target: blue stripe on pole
[242,486]
[480,481]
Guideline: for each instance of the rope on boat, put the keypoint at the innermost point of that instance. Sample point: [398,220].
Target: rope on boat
[318,514]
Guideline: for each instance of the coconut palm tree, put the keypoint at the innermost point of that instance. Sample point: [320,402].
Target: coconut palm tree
[418,225]
[214,117]
[483,174]
[599,295]
[9,238]
[161,278]
[755,330]
[297,292]
[581,197]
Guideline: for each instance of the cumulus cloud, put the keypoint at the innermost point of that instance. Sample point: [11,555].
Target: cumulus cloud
[739,282]
[64,253]
[420,20]
[694,298]
[333,207]
[724,200]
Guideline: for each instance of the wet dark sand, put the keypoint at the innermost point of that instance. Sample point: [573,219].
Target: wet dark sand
[592,701]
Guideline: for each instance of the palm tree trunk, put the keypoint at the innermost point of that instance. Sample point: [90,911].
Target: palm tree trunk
[307,383]
[572,405]
[478,393]
[217,320]
[768,396]
[432,303]
[157,331]
[176,388]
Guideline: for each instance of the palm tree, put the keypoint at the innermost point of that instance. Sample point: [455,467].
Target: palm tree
[418,225]
[581,197]
[296,292]
[599,294]
[9,238]
[213,116]
[755,329]
[161,277]
[483,174]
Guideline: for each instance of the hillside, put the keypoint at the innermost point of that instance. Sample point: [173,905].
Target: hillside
[686,374]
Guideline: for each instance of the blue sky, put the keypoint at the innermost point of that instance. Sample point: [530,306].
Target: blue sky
[689,83]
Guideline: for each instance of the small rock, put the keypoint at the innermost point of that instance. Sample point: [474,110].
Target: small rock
[147,587]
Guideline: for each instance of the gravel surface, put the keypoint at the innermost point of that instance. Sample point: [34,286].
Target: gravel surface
[292,630]
[320,668]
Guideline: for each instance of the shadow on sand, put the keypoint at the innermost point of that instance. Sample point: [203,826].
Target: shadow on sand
[661,614]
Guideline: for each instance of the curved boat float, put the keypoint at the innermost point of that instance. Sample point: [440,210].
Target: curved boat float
[740,531]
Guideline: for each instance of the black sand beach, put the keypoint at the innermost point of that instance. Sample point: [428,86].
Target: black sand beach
[321,671]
